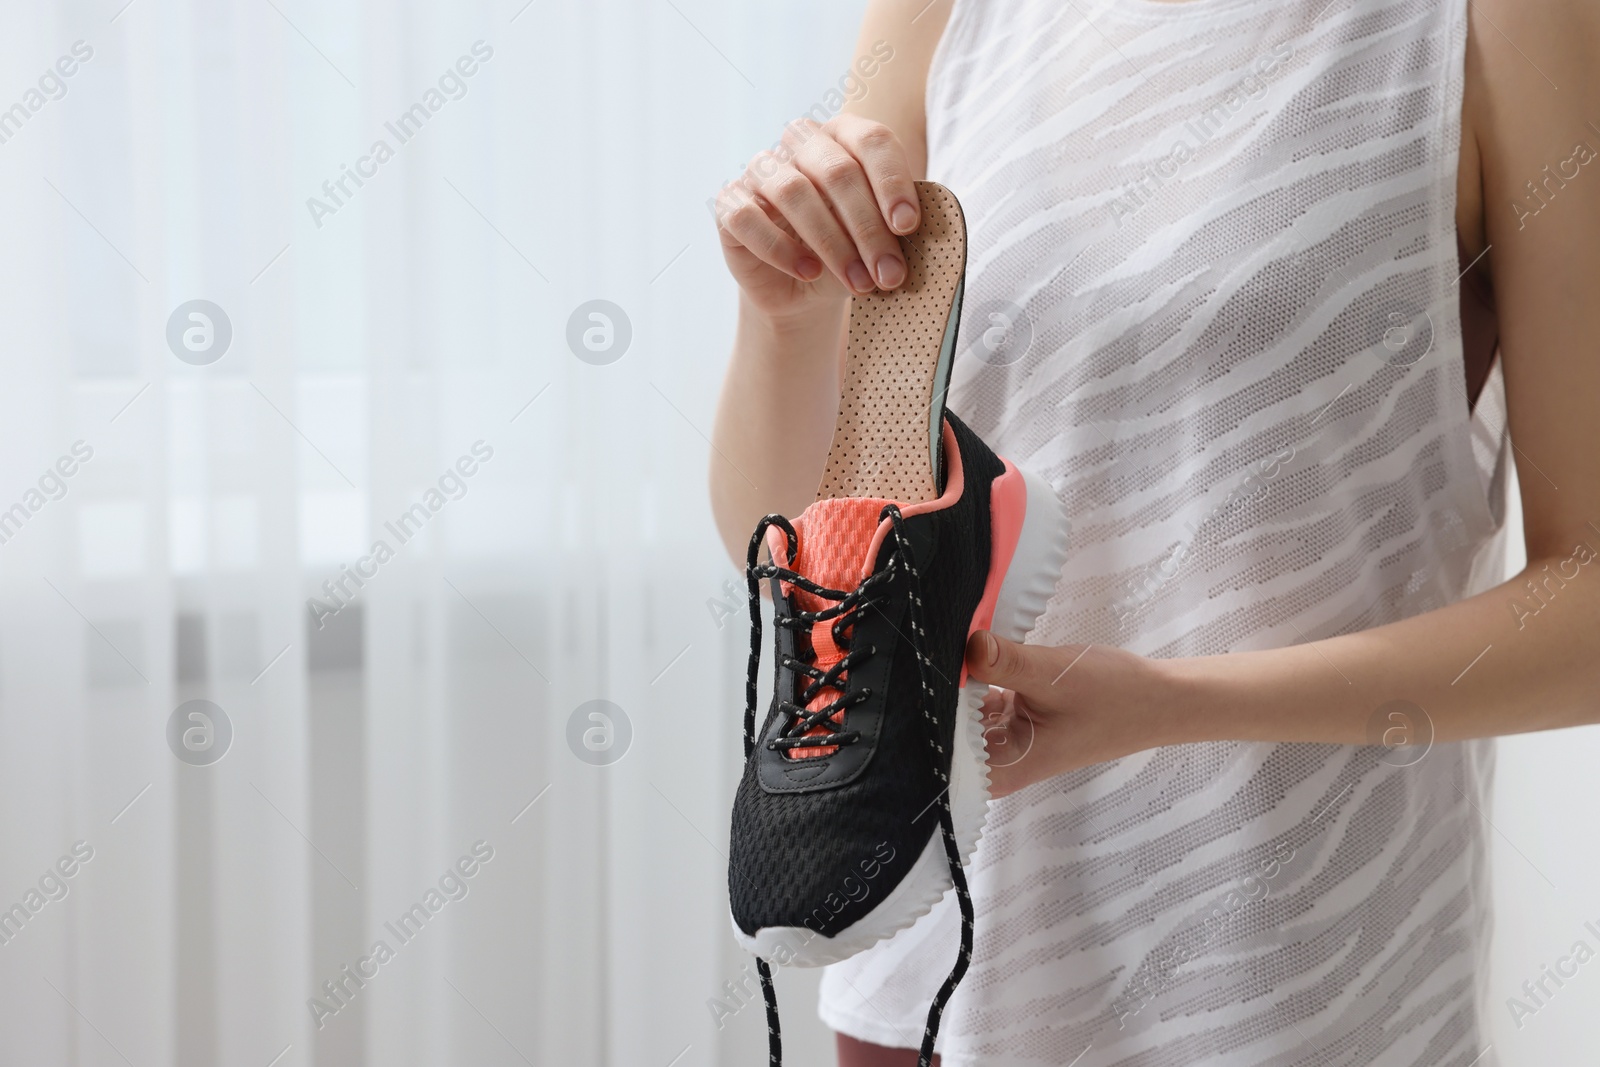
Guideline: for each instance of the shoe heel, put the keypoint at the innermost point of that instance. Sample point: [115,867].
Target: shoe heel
[1036,563]
[1029,583]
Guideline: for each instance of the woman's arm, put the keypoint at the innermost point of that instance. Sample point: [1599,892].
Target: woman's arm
[800,231]
[1506,661]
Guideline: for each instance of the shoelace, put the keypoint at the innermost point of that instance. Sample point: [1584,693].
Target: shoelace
[848,604]
[810,727]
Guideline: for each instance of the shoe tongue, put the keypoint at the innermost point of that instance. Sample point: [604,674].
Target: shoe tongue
[835,537]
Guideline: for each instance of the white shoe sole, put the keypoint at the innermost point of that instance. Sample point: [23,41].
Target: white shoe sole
[1029,583]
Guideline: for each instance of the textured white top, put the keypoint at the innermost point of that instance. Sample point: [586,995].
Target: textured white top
[1227,232]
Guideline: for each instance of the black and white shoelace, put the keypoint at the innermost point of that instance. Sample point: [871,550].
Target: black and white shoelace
[845,606]
[807,727]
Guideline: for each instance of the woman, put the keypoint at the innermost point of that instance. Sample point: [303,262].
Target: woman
[1238,274]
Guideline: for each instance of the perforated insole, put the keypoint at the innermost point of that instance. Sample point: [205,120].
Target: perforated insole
[881,444]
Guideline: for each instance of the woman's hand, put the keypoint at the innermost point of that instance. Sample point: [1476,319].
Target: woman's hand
[1056,709]
[809,224]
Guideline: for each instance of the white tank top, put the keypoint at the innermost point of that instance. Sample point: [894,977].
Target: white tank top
[1212,295]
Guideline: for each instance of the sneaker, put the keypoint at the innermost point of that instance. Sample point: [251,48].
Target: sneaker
[866,787]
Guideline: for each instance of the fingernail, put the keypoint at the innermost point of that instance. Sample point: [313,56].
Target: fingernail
[903,217]
[860,280]
[991,649]
[808,268]
[891,272]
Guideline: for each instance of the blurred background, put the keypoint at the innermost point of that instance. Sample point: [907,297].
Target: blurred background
[357,579]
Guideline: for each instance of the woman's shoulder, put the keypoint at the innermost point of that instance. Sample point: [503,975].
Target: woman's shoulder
[1531,98]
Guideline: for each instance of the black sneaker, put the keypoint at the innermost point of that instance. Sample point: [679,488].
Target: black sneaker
[873,741]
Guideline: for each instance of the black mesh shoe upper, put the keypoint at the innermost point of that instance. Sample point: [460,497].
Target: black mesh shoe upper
[819,842]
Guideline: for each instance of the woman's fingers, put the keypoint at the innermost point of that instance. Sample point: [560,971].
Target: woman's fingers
[838,176]
[747,223]
[834,196]
[804,208]
[1068,706]
[887,168]
[1027,669]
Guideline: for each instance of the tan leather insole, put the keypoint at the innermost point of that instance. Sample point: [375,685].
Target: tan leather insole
[881,440]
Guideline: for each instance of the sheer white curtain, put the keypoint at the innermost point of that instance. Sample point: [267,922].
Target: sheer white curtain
[404,330]
[398,371]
